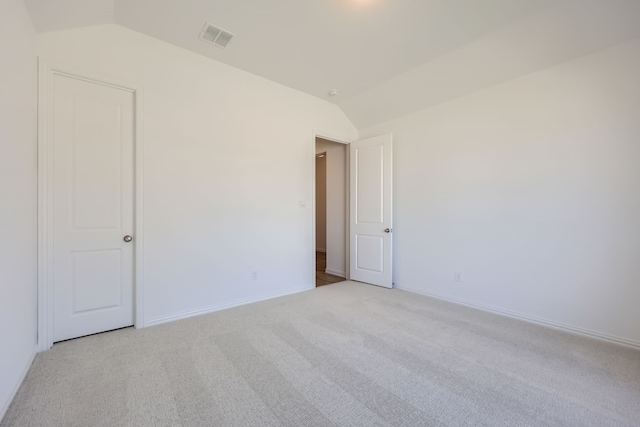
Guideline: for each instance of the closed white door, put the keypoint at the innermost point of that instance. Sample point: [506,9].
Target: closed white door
[371,224]
[92,201]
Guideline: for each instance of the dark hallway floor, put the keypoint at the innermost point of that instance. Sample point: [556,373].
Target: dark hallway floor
[323,278]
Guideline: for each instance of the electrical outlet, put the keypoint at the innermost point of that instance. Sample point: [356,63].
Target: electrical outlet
[457,276]
[254,275]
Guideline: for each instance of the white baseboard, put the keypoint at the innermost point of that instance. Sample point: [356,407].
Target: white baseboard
[531,319]
[335,272]
[235,303]
[17,387]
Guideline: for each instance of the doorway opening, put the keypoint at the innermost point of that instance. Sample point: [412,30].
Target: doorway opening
[331,202]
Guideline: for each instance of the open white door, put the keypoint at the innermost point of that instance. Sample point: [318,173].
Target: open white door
[370,212]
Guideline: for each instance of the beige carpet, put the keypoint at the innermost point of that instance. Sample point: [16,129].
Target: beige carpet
[341,355]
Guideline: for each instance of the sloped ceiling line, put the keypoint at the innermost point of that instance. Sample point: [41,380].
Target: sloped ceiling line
[387,58]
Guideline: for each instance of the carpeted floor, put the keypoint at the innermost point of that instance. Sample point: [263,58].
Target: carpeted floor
[344,355]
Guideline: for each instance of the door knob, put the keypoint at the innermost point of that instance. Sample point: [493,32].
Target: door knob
[127,238]
[388,230]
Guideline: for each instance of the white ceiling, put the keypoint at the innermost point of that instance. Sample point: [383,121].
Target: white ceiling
[386,57]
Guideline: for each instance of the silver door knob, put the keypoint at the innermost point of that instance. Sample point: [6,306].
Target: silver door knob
[388,230]
[127,238]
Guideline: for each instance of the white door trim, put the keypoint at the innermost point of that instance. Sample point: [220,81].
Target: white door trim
[46,72]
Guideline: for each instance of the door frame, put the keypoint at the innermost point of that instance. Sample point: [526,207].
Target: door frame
[46,73]
[323,135]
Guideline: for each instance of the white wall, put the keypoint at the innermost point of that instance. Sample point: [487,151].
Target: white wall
[227,158]
[530,189]
[336,201]
[17,197]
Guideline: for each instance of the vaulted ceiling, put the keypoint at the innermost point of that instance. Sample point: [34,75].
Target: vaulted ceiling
[387,58]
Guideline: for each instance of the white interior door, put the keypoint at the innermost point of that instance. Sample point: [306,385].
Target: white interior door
[370,211]
[92,207]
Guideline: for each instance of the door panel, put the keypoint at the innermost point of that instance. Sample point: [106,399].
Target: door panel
[92,292]
[370,250]
[371,198]
[96,161]
[93,144]
[369,184]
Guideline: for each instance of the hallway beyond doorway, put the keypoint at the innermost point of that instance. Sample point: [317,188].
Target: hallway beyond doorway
[323,278]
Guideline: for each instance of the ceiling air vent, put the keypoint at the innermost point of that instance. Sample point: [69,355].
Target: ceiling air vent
[217,36]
